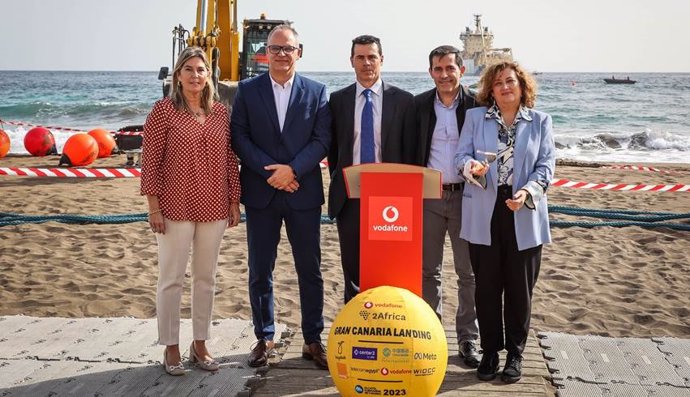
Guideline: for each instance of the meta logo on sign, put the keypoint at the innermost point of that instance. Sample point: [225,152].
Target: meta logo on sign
[390,218]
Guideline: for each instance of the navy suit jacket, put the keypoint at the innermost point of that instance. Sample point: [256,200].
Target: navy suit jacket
[258,141]
[397,136]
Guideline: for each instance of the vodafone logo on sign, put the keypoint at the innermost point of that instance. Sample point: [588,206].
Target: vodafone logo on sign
[390,218]
[390,214]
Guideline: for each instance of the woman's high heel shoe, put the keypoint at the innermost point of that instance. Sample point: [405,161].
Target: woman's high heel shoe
[208,365]
[174,370]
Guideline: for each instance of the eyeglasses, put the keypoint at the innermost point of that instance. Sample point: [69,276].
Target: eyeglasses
[276,49]
[510,83]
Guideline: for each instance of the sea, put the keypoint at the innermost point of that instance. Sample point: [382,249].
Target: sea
[593,121]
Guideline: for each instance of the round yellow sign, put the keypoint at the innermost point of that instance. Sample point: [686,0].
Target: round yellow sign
[387,342]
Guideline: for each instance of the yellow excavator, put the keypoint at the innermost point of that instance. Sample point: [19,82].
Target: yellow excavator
[217,33]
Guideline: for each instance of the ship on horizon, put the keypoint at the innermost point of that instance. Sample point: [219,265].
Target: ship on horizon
[478,51]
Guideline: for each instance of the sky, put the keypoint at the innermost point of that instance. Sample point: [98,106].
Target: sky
[608,36]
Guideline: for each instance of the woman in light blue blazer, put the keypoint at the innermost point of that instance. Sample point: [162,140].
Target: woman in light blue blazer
[506,156]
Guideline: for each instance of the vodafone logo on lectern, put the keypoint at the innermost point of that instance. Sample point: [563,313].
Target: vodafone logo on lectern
[390,218]
[390,214]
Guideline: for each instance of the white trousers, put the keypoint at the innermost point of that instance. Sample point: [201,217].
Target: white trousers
[203,238]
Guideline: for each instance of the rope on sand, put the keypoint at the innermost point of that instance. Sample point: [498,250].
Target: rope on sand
[624,218]
[646,225]
[8,219]
[629,215]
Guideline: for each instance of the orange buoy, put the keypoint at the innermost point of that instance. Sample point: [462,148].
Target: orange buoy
[80,149]
[4,144]
[40,142]
[105,140]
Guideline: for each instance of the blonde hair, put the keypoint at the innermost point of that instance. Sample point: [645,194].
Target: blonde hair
[528,85]
[208,94]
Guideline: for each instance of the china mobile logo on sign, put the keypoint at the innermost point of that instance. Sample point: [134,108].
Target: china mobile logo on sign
[390,218]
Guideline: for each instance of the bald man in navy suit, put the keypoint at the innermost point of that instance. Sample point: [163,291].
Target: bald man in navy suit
[281,130]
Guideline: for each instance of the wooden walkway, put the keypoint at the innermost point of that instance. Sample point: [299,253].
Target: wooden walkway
[120,357]
[289,375]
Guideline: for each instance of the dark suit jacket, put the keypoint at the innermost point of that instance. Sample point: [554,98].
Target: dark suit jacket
[397,135]
[426,120]
[258,141]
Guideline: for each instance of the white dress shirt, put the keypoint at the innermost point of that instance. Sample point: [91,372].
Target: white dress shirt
[377,101]
[281,94]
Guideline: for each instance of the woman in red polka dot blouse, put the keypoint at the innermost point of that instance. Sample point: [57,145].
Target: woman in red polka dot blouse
[190,177]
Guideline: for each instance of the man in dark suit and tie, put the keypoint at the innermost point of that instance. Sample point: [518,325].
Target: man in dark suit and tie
[373,122]
[281,130]
[440,115]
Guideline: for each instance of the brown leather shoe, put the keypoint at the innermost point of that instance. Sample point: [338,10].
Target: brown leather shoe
[315,351]
[260,352]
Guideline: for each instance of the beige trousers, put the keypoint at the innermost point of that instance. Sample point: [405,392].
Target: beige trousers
[204,239]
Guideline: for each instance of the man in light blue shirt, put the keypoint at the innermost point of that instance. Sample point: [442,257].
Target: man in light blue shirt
[440,113]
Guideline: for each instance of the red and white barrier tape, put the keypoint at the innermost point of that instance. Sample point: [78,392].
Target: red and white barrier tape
[19,123]
[77,172]
[127,132]
[23,124]
[620,186]
[636,168]
[73,172]
[136,172]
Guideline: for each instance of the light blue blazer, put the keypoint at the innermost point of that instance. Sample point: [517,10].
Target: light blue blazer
[534,160]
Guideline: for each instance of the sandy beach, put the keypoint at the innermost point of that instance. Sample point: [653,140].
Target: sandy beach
[608,281]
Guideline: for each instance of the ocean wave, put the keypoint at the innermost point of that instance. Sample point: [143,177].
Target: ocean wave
[84,116]
[645,122]
[26,110]
[128,111]
[646,140]
[40,109]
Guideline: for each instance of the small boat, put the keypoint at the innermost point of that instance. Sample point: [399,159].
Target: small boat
[614,80]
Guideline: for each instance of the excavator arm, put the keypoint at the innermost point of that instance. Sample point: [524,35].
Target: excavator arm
[216,32]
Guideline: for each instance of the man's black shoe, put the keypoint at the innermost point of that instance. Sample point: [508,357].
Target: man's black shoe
[488,366]
[469,353]
[512,372]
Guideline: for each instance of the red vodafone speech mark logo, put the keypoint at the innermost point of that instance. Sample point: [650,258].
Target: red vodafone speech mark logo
[390,218]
